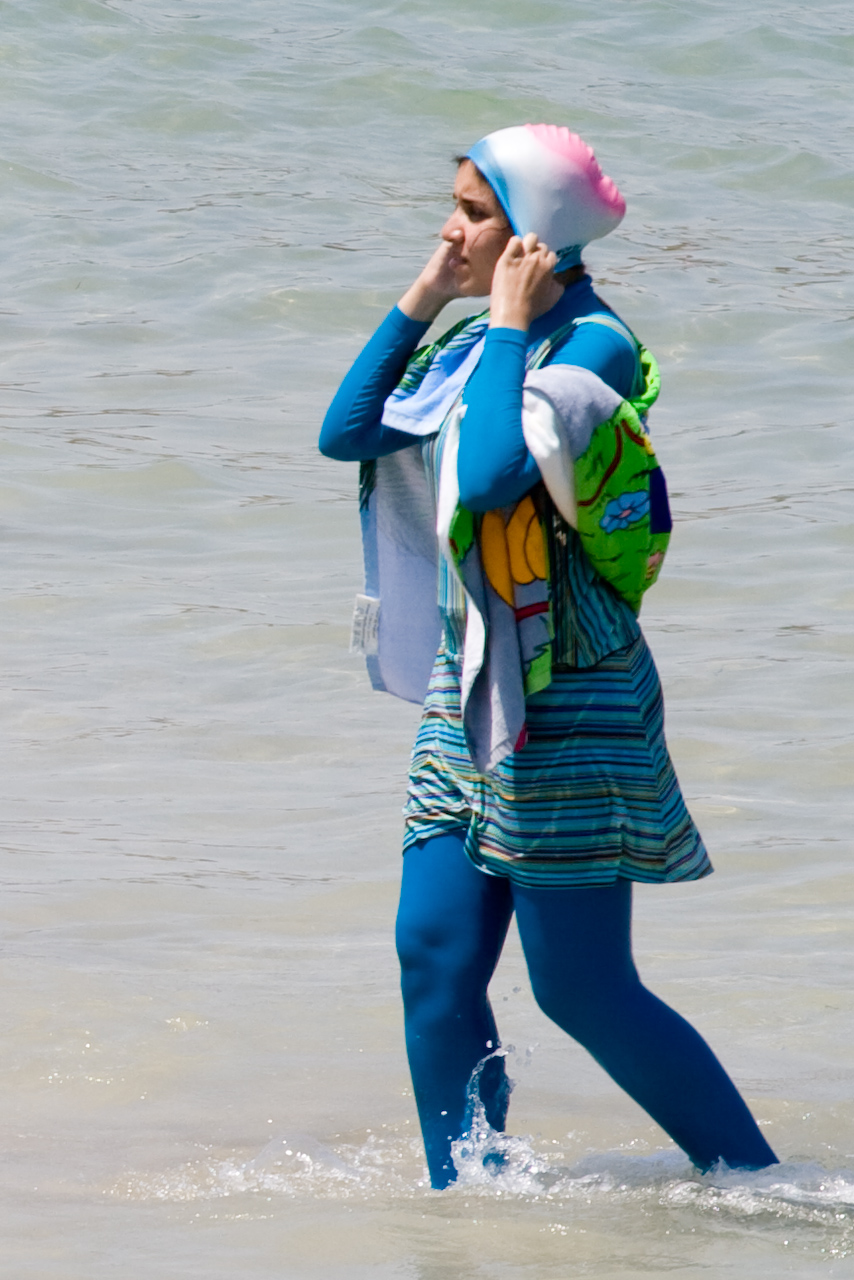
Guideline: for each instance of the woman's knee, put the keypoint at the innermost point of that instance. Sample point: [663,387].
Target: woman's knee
[444,969]
[431,952]
[422,943]
[452,919]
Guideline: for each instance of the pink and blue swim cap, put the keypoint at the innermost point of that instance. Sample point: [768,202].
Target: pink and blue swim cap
[548,181]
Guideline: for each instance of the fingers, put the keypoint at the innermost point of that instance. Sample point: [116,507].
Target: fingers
[543,251]
[530,244]
[514,248]
[521,247]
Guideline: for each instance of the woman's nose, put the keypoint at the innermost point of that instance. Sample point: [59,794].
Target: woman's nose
[452,231]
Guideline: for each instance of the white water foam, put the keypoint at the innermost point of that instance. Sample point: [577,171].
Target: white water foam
[501,1167]
[788,1198]
[297,1165]
[791,1194]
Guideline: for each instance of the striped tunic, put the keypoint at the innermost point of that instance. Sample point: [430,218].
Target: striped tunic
[592,796]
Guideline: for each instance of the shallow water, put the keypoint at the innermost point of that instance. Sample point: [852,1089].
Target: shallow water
[206,210]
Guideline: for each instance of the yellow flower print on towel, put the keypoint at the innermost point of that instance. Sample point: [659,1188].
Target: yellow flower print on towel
[515,552]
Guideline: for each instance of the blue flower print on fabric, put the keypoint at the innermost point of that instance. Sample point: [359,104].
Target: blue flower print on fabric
[625,510]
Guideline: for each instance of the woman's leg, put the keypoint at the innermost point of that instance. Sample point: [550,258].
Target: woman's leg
[451,926]
[577,943]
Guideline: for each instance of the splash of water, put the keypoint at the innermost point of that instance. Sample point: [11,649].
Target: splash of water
[484,1156]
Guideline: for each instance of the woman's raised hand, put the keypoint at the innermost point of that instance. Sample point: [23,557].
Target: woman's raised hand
[436,285]
[523,286]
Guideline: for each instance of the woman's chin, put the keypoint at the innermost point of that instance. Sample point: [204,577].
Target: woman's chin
[473,288]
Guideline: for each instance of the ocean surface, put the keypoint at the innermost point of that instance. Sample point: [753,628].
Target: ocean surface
[206,208]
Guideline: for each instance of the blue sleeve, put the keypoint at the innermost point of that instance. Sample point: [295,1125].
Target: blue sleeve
[494,467]
[352,430]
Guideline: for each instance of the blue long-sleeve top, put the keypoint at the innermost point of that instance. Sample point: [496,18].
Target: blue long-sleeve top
[494,465]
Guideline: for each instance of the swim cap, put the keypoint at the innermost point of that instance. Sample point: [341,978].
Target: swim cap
[548,181]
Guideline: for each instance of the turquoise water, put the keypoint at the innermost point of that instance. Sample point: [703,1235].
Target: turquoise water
[206,209]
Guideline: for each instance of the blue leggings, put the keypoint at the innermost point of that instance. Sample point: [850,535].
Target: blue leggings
[451,927]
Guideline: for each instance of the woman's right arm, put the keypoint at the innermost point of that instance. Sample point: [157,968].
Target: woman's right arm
[352,429]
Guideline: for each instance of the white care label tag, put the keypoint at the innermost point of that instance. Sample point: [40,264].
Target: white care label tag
[366,626]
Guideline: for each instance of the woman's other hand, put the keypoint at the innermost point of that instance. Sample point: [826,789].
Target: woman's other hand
[524,285]
[436,285]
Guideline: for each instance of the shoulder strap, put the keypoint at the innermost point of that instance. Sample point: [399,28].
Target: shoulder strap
[640,388]
[617,326]
[539,355]
[611,322]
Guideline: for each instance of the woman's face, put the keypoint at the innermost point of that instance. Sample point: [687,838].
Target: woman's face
[478,232]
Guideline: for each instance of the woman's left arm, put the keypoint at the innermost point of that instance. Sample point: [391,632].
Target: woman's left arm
[494,466]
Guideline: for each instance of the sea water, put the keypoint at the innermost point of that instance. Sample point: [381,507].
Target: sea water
[207,208]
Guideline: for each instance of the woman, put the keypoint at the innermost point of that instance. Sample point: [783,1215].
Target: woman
[540,780]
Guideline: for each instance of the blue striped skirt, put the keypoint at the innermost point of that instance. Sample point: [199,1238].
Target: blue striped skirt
[591,797]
